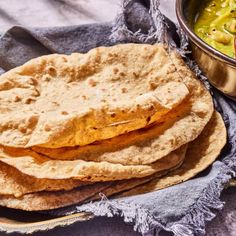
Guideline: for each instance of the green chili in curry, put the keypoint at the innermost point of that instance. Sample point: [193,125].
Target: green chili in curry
[216,25]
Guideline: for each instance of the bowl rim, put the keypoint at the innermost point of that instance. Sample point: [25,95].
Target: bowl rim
[197,40]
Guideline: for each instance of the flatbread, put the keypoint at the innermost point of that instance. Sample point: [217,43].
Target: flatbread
[181,125]
[33,164]
[200,154]
[60,100]
[51,200]
[13,182]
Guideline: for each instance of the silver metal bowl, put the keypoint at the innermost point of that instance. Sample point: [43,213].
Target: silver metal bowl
[219,68]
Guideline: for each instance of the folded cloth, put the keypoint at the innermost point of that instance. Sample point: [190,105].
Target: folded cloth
[183,209]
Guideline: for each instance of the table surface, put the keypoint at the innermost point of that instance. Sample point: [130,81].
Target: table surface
[72,12]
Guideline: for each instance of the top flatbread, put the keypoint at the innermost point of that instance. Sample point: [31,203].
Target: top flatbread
[178,127]
[59,100]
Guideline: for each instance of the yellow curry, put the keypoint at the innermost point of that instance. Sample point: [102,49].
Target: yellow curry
[216,25]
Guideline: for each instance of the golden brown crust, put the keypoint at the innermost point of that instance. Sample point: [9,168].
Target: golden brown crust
[59,100]
[166,135]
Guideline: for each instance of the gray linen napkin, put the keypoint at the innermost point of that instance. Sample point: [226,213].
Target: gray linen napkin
[183,209]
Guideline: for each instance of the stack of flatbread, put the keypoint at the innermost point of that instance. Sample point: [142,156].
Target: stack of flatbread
[121,120]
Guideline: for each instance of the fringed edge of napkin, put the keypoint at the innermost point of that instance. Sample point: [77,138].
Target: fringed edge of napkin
[201,212]
[144,222]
